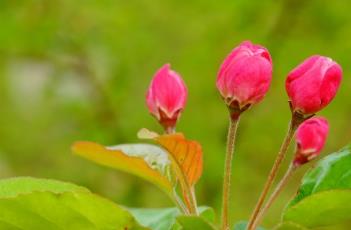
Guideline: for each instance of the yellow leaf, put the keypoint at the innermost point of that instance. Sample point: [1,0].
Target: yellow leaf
[186,153]
[128,162]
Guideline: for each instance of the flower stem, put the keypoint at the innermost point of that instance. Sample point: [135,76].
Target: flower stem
[233,125]
[274,195]
[170,130]
[294,123]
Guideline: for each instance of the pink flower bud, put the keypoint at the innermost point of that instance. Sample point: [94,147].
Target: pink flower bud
[313,84]
[245,75]
[310,139]
[166,96]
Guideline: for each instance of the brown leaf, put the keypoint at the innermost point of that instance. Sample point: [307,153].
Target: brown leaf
[185,154]
[120,160]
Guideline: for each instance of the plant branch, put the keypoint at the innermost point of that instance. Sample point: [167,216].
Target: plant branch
[233,125]
[274,195]
[296,120]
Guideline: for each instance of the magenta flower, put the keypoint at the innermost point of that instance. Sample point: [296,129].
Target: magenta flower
[166,96]
[310,139]
[245,75]
[313,84]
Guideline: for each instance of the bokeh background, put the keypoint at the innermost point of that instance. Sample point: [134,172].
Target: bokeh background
[78,70]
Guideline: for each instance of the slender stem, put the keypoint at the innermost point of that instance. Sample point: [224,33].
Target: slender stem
[188,192]
[274,195]
[227,170]
[178,201]
[189,200]
[294,123]
[170,130]
[194,201]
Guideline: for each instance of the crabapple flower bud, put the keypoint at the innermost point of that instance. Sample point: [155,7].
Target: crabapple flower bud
[166,97]
[245,75]
[313,84]
[310,139]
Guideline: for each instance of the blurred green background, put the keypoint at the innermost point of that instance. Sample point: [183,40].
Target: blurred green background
[78,70]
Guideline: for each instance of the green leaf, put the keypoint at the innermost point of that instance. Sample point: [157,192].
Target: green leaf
[49,204]
[147,161]
[289,226]
[332,172]
[321,209]
[194,222]
[156,219]
[23,185]
[325,193]
[8,226]
[207,213]
[242,226]
[165,218]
